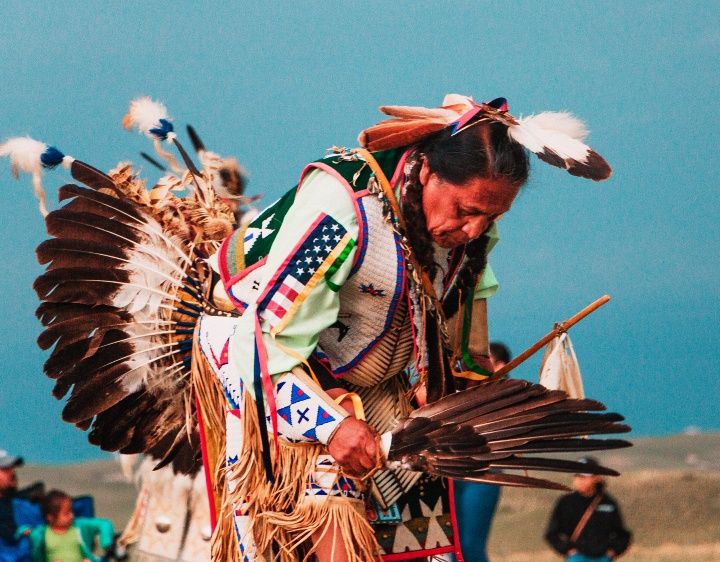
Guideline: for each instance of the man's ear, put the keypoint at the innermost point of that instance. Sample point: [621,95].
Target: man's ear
[425,172]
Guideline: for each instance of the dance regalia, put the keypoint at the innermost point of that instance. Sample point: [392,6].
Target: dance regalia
[320,279]
[177,338]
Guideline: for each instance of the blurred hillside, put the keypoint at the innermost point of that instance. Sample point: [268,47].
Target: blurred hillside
[669,494]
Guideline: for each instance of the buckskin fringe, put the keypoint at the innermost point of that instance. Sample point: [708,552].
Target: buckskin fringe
[282,515]
[212,405]
[343,516]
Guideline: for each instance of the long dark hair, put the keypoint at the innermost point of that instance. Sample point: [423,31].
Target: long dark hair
[484,150]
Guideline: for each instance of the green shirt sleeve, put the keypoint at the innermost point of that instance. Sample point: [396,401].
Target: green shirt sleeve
[488,284]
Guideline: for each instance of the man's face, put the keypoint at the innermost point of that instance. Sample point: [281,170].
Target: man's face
[8,481]
[586,484]
[496,363]
[458,213]
[64,517]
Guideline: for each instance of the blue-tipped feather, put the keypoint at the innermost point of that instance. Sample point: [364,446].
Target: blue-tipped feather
[162,131]
[51,157]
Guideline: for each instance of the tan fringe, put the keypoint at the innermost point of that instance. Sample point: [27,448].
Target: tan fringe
[281,513]
[344,517]
[224,546]
[131,532]
[212,402]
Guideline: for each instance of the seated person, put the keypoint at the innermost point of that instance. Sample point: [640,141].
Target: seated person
[14,512]
[65,538]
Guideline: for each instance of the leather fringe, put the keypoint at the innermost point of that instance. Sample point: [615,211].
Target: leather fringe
[344,518]
[284,519]
[213,406]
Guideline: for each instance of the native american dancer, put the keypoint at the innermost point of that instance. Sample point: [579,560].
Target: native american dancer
[306,346]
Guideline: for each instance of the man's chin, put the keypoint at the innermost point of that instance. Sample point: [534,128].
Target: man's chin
[447,242]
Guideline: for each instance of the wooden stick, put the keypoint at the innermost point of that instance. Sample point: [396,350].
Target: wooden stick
[557,330]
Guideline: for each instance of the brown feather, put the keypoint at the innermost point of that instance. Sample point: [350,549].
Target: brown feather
[64,252]
[460,402]
[61,388]
[87,226]
[398,132]
[542,417]
[80,285]
[555,465]
[92,177]
[80,328]
[569,446]
[100,397]
[509,437]
[94,202]
[50,313]
[515,480]
[595,167]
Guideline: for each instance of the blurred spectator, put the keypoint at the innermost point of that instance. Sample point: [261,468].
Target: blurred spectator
[499,354]
[65,538]
[13,512]
[475,503]
[586,525]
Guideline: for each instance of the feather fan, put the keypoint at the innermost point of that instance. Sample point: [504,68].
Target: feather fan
[120,302]
[493,426]
[123,289]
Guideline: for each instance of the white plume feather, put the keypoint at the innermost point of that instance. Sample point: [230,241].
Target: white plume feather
[144,114]
[24,154]
[532,136]
[559,121]
[556,138]
[457,99]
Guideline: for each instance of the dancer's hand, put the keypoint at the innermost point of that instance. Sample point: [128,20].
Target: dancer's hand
[354,446]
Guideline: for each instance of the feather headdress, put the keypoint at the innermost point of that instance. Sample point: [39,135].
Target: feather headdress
[554,137]
[122,293]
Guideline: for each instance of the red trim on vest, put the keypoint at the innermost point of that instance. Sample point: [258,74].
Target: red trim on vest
[222,259]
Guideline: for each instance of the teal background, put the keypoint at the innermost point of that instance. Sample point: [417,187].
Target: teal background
[277,85]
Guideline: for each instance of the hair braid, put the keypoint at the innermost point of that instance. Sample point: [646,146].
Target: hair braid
[416,225]
[476,261]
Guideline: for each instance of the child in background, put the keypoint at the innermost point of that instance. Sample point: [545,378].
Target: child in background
[64,538]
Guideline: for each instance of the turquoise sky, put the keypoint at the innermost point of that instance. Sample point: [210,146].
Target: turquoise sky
[276,86]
